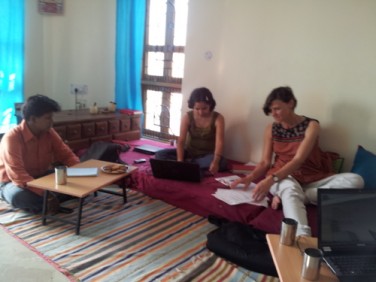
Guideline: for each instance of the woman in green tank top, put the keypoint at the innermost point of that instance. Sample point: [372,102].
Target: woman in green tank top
[201,137]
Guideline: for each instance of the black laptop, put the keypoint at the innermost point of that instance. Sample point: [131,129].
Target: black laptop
[147,149]
[347,232]
[183,171]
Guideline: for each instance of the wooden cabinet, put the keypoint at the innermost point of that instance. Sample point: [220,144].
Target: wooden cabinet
[79,128]
[125,124]
[113,126]
[88,129]
[101,128]
[136,124]
[62,131]
[74,131]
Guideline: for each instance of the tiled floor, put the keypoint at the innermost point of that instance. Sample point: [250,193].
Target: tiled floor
[18,263]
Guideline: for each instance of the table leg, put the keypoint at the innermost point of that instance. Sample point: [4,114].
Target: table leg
[78,224]
[124,194]
[124,187]
[44,210]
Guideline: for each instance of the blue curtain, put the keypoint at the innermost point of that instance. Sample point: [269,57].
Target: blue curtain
[130,29]
[11,58]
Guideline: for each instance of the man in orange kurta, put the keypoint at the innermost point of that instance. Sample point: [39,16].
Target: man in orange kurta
[28,152]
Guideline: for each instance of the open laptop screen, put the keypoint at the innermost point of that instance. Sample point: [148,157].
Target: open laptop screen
[346,218]
[183,171]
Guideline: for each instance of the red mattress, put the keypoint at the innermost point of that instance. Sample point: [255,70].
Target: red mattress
[197,197]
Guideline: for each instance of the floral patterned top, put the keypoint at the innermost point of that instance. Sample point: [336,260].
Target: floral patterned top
[286,142]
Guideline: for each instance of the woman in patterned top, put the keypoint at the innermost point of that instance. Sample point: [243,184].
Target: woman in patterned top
[292,162]
[201,138]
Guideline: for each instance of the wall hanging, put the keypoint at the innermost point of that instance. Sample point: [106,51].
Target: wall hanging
[54,7]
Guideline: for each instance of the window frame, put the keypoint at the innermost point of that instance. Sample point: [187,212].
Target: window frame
[165,83]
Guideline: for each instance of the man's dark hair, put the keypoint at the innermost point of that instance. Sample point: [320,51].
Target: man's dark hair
[283,94]
[201,95]
[38,105]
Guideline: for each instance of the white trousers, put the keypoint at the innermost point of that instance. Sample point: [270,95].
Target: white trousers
[294,196]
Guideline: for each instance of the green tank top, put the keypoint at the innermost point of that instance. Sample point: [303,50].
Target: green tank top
[200,141]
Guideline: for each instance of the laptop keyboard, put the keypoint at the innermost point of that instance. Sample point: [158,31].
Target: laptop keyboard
[353,265]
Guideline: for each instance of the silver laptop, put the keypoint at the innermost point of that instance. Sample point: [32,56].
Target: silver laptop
[183,171]
[147,149]
[347,232]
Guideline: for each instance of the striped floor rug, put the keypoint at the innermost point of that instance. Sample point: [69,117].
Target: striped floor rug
[144,240]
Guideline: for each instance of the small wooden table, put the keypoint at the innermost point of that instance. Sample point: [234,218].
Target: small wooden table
[289,259]
[80,187]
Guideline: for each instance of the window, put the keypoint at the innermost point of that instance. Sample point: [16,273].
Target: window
[163,67]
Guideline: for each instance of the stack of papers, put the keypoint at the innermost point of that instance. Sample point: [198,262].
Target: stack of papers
[239,195]
[227,180]
[84,171]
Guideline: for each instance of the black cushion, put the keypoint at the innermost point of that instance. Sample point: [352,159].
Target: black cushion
[242,245]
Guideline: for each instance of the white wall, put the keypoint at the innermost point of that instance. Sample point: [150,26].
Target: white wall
[324,50]
[76,47]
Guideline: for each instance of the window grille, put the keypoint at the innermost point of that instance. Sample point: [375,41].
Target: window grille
[163,67]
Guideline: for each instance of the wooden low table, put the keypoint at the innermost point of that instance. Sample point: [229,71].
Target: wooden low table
[288,260]
[80,187]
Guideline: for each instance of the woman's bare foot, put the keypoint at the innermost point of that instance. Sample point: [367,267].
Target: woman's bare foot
[276,202]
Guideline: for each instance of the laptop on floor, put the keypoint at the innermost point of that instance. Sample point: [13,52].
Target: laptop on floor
[147,149]
[183,171]
[347,232]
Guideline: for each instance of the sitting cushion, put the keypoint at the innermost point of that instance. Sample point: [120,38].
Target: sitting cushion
[242,245]
[364,165]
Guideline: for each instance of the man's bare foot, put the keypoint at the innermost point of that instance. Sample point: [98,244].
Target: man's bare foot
[276,202]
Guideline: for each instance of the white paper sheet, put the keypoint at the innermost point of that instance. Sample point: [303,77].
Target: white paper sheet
[227,180]
[239,195]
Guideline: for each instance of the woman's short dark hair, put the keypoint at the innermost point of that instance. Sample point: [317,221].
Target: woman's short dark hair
[201,95]
[283,94]
[38,105]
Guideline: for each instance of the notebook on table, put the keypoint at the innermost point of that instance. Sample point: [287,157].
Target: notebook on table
[347,232]
[183,171]
[147,149]
[82,171]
